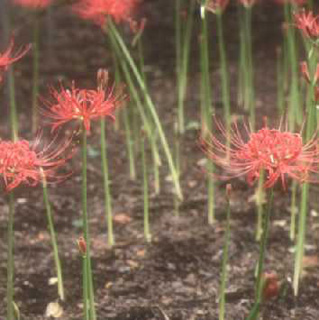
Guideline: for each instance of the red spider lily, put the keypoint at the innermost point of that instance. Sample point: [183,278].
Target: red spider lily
[307,23]
[81,104]
[216,6]
[277,153]
[33,4]
[21,162]
[8,57]
[99,10]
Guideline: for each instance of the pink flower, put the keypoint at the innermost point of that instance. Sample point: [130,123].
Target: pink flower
[99,10]
[280,154]
[82,104]
[21,162]
[307,23]
[8,57]
[33,4]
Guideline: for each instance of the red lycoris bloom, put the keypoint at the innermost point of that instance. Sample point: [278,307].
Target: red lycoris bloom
[277,153]
[8,57]
[81,104]
[216,6]
[33,4]
[21,162]
[307,23]
[99,10]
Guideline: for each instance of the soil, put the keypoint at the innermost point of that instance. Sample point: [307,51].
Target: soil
[177,275]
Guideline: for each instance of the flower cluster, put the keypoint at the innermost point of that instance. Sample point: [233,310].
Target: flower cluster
[33,4]
[21,162]
[308,24]
[83,105]
[277,153]
[99,10]
[8,57]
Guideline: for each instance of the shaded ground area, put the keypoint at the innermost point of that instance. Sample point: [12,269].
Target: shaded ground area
[177,275]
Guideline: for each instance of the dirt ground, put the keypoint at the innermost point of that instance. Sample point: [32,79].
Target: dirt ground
[176,276]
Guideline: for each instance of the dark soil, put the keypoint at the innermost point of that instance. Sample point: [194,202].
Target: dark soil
[176,276]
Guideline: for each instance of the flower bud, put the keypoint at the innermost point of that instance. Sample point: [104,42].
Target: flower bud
[82,246]
[228,191]
[271,286]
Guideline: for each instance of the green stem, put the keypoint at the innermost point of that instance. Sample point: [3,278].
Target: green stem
[293,210]
[10,260]
[116,36]
[250,67]
[86,226]
[295,113]
[35,80]
[223,72]
[127,124]
[183,69]
[106,179]
[178,166]
[263,244]
[133,94]
[262,251]
[53,238]
[260,206]
[280,83]
[13,108]
[86,296]
[206,109]
[242,72]
[301,237]
[147,233]
[222,298]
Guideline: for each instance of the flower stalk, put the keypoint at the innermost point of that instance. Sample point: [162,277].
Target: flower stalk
[57,260]
[106,183]
[149,103]
[86,233]
[147,233]
[222,297]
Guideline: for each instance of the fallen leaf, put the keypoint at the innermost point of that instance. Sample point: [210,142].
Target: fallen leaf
[310,262]
[53,310]
[122,218]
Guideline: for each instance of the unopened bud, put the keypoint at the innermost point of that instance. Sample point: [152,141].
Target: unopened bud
[228,191]
[271,285]
[82,246]
[304,70]
[102,78]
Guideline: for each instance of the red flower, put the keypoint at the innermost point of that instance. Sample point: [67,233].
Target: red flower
[33,4]
[21,162]
[307,23]
[216,6]
[8,57]
[81,104]
[99,10]
[278,153]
